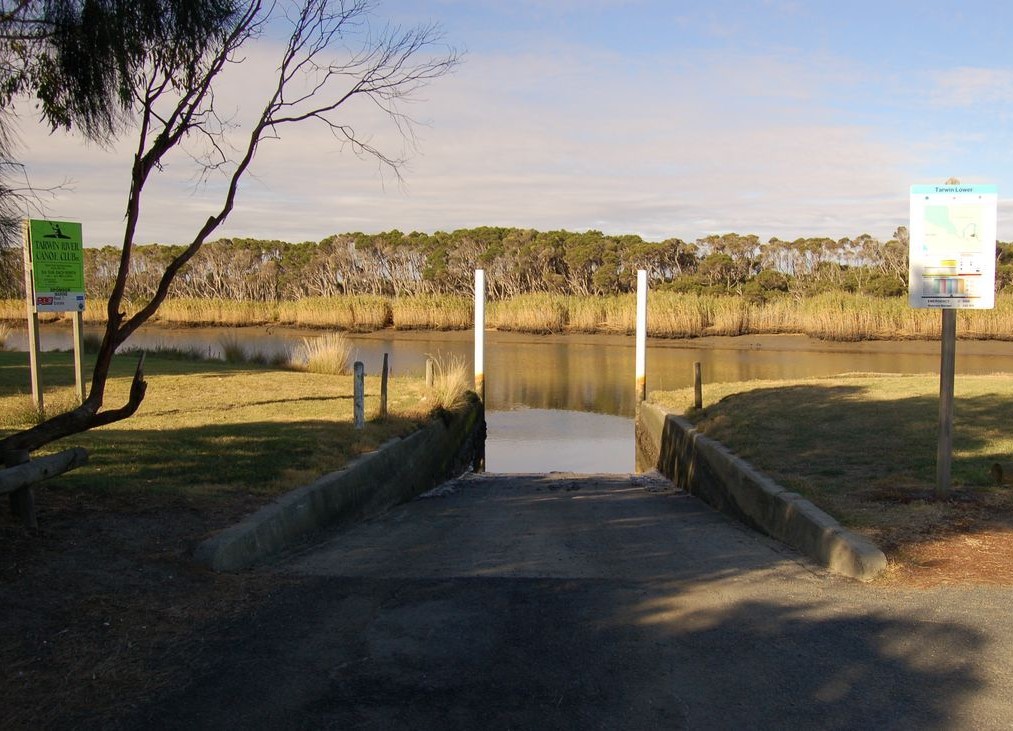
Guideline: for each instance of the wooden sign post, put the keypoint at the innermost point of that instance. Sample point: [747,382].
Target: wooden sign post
[54,282]
[952,267]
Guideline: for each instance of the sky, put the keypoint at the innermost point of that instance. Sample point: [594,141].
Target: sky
[658,118]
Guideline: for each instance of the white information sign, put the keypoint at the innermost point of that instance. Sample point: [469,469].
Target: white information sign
[952,240]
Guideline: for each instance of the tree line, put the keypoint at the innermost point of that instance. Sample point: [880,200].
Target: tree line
[517,261]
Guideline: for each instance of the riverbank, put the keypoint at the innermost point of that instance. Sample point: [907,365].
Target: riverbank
[836,316]
[863,448]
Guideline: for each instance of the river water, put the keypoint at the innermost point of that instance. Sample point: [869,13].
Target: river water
[566,403]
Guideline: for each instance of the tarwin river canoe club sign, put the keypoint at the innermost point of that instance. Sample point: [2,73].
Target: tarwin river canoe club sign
[57,253]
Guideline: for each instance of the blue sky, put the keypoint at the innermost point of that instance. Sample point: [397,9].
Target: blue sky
[663,119]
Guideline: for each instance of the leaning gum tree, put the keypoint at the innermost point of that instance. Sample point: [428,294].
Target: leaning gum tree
[331,56]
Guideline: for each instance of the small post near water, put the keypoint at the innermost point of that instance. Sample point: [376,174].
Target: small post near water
[359,394]
[383,388]
[480,333]
[641,335]
[697,387]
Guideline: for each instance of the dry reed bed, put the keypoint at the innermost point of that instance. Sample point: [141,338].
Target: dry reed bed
[829,316]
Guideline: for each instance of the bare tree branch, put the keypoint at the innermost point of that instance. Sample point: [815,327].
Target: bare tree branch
[386,69]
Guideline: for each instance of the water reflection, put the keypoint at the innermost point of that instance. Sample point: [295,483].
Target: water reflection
[567,402]
[542,440]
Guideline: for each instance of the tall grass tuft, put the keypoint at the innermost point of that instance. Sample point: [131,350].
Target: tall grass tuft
[451,382]
[233,350]
[328,353]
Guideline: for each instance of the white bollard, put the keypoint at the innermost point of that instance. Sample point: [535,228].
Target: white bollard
[480,333]
[641,335]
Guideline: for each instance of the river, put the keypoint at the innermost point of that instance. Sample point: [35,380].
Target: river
[566,403]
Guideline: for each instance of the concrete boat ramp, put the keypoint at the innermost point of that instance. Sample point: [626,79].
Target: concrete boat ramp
[590,601]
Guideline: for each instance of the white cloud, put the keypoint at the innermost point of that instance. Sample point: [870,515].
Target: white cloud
[560,137]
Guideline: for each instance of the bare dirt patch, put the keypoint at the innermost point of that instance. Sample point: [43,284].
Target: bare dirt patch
[965,539]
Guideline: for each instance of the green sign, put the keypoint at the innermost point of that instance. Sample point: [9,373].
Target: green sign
[57,251]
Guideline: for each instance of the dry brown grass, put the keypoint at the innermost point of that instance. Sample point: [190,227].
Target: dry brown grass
[432,312]
[451,382]
[838,316]
[328,353]
[537,313]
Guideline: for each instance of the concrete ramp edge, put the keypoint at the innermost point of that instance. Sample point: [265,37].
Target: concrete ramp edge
[707,469]
[369,485]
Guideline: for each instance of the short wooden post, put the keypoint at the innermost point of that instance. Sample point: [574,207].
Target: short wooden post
[78,354]
[359,394]
[22,500]
[480,333]
[641,335]
[948,357]
[697,387]
[383,388]
[430,373]
[33,324]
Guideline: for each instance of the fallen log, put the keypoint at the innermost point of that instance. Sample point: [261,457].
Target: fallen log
[41,468]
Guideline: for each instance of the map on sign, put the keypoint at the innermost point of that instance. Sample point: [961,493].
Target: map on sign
[952,246]
[57,255]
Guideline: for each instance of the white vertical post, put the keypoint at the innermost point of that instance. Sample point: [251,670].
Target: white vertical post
[480,333]
[641,335]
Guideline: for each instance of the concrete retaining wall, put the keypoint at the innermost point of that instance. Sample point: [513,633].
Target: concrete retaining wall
[369,485]
[707,469]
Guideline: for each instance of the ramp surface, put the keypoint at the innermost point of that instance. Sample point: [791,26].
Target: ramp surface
[564,601]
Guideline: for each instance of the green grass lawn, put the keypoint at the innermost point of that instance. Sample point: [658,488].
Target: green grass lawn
[208,430]
[863,446]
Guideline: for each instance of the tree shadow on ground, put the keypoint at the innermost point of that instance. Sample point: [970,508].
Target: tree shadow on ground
[216,460]
[573,653]
[872,462]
